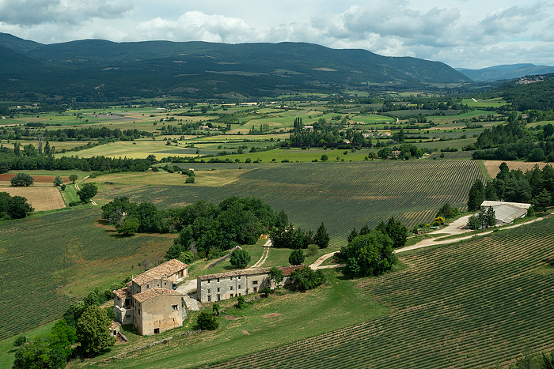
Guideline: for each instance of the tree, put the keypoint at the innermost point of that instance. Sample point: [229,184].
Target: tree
[93,331]
[215,309]
[395,230]
[266,291]
[306,278]
[128,227]
[22,180]
[324,157]
[276,275]
[321,237]
[87,192]
[73,178]
[296,257]
[206,321]
[476,195]
[240,258]
[58,181]
[369,254]
[542,200]
[446,211]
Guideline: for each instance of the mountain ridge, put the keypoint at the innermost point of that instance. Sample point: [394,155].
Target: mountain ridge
[252,69]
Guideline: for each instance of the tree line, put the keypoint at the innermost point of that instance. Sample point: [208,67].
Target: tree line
[535,186]
[10,161]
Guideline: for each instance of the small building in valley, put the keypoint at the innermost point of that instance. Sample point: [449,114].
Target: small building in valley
[506,212]
[223,286]
[150,302]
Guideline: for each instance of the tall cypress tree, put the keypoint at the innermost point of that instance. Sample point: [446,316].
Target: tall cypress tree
[476,195]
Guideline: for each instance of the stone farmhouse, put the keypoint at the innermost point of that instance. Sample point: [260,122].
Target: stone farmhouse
[223,286]
[150,302]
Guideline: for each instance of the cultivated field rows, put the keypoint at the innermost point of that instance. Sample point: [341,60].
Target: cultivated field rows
[476,304]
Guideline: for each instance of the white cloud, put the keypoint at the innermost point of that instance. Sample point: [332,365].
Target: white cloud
[458,32]
[33,12]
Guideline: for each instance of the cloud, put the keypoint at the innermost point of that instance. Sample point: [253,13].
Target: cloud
[195,25]
[35,12]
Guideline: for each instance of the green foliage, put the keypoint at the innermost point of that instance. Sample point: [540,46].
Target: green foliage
[296,257]
[485,219]
[19,340]
[312,250]
[266,291]
[476,195]
[239,258]
[206,321]
[368,254]
[129,226]
[58,181]
[47,351]
[22,180]
[87,192]
[73,178]
[215,309]
[395,230]
[447,212]
[241,302]
[276,275]
[93,331]
[306,279]
[115,211]
[321,237]
[13,207]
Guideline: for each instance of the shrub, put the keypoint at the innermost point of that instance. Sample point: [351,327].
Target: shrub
[206,321]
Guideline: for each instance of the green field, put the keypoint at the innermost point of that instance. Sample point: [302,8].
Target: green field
[36,287]
[355,193]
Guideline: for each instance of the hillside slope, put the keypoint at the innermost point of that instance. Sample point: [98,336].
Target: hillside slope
[199,69]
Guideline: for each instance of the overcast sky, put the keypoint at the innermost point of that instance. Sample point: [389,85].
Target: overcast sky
[461,33]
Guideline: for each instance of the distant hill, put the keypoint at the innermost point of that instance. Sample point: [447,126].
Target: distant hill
[505,72]
[99,69]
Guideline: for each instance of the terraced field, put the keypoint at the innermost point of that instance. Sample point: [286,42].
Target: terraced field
[478,303]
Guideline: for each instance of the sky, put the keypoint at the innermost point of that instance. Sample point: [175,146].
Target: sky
[461,33]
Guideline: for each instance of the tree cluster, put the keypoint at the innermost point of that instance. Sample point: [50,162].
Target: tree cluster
[306,278]
[485,219]
[284,235]
[446,211]
[22,180]
[535,186]
[407,151]
[203,227]
[368,254]
[13,207]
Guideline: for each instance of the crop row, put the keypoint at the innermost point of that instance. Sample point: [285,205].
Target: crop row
[473,304]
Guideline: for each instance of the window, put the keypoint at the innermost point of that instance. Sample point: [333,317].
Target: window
[209,291]
[231,278]
[156,330]
[239,277]
[218,279]
[208,281]
[209,298]
[217,289]
[254,282]
[231,288]
[231,295]
[174,307]
[239,286]
[218,297]
[147,286]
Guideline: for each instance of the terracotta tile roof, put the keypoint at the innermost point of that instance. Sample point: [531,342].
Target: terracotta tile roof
[122,292]
[166,269]
[154,292]
[241,272]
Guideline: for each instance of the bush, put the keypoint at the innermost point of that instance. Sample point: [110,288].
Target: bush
[189,180]
[22,180]
[296,257]
[206,321]
[240,258]
[306,278]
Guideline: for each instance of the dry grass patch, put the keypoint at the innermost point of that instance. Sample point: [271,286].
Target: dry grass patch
[40,198]
[493,169]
